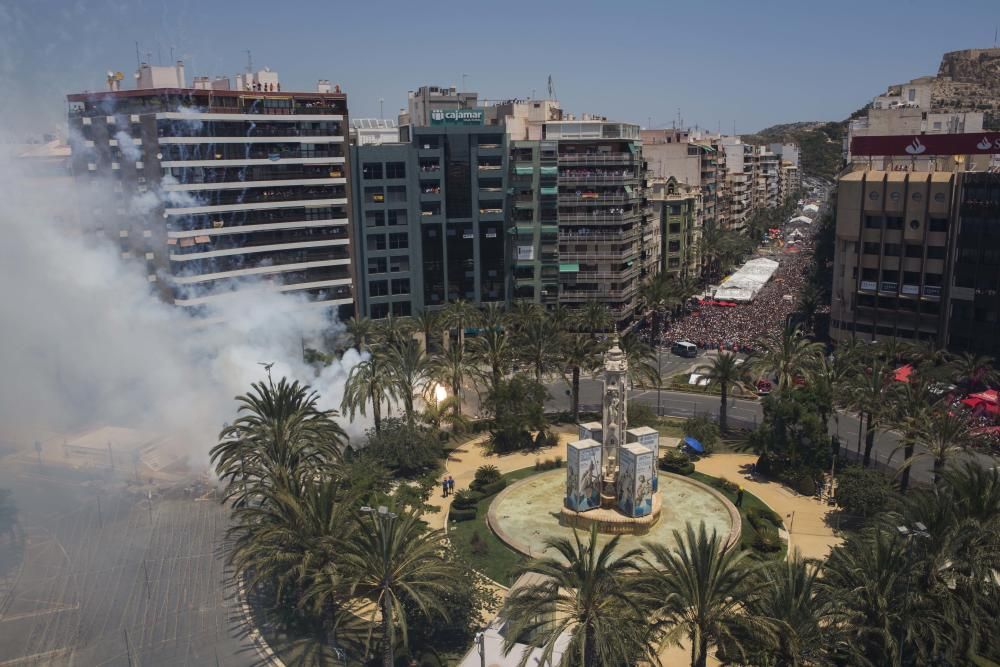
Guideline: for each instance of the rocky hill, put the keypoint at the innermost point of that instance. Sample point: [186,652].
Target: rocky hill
[969,80]
[821,144]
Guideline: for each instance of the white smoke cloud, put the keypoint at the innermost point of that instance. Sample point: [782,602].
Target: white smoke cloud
[85,342]
[127,146]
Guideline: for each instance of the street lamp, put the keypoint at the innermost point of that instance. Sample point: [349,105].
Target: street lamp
[383,518]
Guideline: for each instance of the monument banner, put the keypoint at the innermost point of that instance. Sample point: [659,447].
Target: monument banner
[649,438]
[583,475]
[635,480]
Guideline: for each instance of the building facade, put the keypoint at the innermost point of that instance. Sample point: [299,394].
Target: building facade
[676,210]
[223,190]
[918,258]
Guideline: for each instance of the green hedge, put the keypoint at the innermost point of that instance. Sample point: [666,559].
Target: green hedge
[467,499]
[462,514]
[493,488]
[762,518]
[676,462]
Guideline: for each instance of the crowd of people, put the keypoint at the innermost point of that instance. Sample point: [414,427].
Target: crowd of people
[740,327]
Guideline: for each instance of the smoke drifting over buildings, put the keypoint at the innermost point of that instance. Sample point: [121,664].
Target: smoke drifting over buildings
[86,343]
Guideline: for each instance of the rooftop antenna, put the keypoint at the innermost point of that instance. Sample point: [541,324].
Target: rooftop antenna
[249,62]
[381,101]
[463,82]
[552,88]
[138,58]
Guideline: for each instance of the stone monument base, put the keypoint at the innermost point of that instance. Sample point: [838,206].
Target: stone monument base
[611,521]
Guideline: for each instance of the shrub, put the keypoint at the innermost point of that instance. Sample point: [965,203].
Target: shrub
[551,439]
[762,516]
[767,540]
[676,462]
[725,485]
[493,488]
[640,414]
[462,514]
[486,474]
[704,430]
[466,499]
[478,545]
[557,462]
[863,491]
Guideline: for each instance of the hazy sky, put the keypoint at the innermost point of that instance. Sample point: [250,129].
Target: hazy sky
[753,63]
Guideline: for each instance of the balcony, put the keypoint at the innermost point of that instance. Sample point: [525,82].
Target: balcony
[868,285]
[888,287]
[488,214]
[596,176]
[597,158]
[490,167]
[589,198]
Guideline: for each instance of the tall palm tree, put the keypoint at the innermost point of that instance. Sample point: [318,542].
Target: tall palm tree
[586,597]
[726,370]
[429,323]
[369,382]
[460,314]
[579,354]
[641,360]
[910,408]
[494,315]
[594,317]
[790,357]
[944,434]
[523,311]
[808,304]
[789,597]
[493,348]
[452,367]
[360,329]
[657,295]
[974,372]
[868,392]
[391,560]
[409,370]
[705,591]
[438,414]
[393,331]
[537,344]
[279,435]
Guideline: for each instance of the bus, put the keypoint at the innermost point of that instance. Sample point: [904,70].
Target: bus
[684,349]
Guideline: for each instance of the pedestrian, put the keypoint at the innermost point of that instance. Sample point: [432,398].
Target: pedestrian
[444,487]
[451,485]
[739,497]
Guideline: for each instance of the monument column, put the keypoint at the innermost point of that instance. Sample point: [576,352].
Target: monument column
[615,418]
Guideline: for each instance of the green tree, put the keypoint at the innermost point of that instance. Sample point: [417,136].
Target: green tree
[369,382]
[430,324]
[359,329]
[973,372]
[790,358]
[279,435]
[538,343]
[944,434]
[460,314]
[863,492]
[493,349]
[451,368]
[393,331]
[409,371]
[868,392]
[594,317]
[405,447]
[587,595]
[727,371]
[579,354]
[705,591]
[641,360]
[516,408]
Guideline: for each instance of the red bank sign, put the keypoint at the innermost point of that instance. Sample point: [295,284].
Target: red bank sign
[981,143]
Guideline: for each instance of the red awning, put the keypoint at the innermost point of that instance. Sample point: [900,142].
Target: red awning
[988,396]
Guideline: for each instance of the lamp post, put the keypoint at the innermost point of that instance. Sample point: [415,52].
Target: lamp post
[918,530]
[382,518]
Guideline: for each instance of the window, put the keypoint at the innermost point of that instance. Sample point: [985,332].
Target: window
[939,224]
[914,251]
[893,222]
[395,170]
[401,308]
[380,310]
[375,218]
[675,228]
[935,252]
[869,274]
[401,286]
[376,242]
[396,193]
[911,278]
[398,241]
[870,248]
[932,279]
[673,246]
[873,222]
[675,209]
[399,264]
[397,217]
[892,249]
[377,265]
[374,195]
[378,288]
[911,94]
[372,170]
[673,262]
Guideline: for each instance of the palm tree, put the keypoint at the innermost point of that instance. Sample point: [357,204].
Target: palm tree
[909,408]
[641,360]
[944,434]
[409,370]
[493,349]
[494,315]
[867,393]
[389,561]
[537,344]
[586,596]
[790,357]
[280,435]
[359,328]
[705,591]
[657,295]
[394,331]
[579,353]
[459,315]
[975,372]
[452,367]
[438,414]
[429,323]
[594,317]
[809,303]
[789,597]
[369,382]
[727,370]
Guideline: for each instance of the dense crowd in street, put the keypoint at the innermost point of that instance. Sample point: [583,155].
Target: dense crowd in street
[739,327]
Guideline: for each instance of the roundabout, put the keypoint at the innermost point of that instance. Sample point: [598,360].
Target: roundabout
[527,513]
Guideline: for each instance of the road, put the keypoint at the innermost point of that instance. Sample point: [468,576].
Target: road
[109,578]
[748,413]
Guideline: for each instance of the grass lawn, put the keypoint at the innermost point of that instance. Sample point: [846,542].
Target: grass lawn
[493,558]
[670,427]
[750,501]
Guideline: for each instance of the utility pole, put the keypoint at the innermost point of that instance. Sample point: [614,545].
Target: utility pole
[100,519]
[128,648]
[145,572]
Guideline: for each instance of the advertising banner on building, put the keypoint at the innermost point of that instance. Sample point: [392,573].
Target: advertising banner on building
[973,143]
[583,475]
[457,116]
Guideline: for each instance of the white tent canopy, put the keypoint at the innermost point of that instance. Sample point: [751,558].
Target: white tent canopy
[744,285]
[804,219]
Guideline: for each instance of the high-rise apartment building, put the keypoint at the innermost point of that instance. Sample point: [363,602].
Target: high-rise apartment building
[918,258]
[431,215]
[223,188]
[677,210]
[693,160]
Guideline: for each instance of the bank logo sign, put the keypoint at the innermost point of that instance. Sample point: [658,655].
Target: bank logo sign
[457,117]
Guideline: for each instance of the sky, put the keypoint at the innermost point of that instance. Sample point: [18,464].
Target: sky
[711,64]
